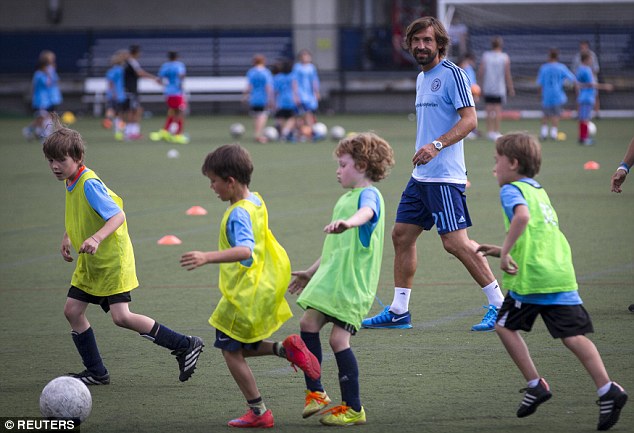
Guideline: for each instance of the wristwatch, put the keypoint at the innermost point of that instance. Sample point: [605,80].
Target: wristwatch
[438,145]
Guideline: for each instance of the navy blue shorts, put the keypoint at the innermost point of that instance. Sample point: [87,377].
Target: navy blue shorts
[427,204]
[103,301]
[224,342]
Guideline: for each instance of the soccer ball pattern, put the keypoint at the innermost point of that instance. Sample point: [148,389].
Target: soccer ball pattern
[66,398]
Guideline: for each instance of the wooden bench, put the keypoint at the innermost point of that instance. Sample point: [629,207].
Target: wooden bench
[196,89]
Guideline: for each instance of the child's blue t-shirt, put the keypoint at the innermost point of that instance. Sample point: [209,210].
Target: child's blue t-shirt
[283,87]
[551,77]
[307,81]
[587,95]
[240,229]
[41,99]
[511,196]
[173,73]
[98,197]
[259,78]
[114,75]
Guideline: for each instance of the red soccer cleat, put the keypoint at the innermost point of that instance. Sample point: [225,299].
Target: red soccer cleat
[299,355]
[251,420]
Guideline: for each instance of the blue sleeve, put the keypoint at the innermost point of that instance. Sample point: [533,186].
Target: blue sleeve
[511,196]
[369,198]
[240,232]
[99,199]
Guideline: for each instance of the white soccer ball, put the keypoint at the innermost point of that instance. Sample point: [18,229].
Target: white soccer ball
[592,129]
[236,130]
[66,398]
[173,154]
[320,131]
[173,128]
[271,134]
[337,132]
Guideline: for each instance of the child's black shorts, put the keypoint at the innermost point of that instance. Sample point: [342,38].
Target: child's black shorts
[561,320]
[224,342]
[103,301]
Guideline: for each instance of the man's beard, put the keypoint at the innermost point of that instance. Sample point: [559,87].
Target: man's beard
[427,59]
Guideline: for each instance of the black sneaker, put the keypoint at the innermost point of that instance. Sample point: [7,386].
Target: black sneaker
[533,398]
[610,405]
[90,378]
[187,358]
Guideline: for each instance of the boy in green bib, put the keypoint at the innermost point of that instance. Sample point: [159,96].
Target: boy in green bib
[254,274]
[540,278]
[105,273]
[341,285]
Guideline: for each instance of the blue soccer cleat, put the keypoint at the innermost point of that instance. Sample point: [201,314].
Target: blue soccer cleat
[389,320]
[488,321]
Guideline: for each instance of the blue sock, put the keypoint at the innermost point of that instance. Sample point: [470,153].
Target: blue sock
[311,339]
[349,378]
[86,345]
[163,336]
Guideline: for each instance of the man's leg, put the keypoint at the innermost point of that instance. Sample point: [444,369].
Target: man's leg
[458,244]
[397,315]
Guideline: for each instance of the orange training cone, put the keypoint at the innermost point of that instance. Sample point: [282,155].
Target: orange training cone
[591,165]
[169,240]
[196,210]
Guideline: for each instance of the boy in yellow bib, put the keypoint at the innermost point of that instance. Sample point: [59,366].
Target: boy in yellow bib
[254,273]
[105,273]
[341,285]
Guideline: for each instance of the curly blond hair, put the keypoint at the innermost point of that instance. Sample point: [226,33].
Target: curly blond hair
[369,151]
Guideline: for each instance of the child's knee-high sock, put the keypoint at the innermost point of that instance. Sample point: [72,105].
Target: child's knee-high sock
[86,345]
[163,336]
[311,339]
[349,378]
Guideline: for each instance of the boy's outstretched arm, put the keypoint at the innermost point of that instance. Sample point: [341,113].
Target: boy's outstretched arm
[194,259]
[302,278]
[359,218]
[90,245]
[489,250]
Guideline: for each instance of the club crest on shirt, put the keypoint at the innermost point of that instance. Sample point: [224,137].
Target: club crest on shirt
[435,85]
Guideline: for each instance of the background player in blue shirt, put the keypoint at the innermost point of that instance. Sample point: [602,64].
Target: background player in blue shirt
[307,89]
[172,74]
[40,102]
[551,78]
[435,194]
[259,93]
[285,100]
[115,94]
[586,96]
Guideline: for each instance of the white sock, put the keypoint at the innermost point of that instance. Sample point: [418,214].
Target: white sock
[553,132]
[494,294]
[544,130]
[400,303]
[533,383]
[604,389]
